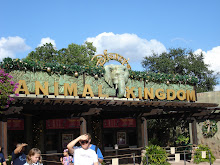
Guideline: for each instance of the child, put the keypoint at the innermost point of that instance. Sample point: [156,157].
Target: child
[34,157]
[66,160]
[2,159]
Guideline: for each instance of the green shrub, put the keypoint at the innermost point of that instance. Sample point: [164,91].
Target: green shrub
[198,155]
[182,140]
[8,162]
[156,155]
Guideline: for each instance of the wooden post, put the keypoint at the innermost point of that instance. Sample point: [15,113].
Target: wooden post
[144,132]
[193,136]
[190,133]
[193,132]
[89,125]
[41,138]
[28,127]
[138,132]
[83,128]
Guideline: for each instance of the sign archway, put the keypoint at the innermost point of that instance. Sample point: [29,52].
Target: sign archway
[102,59]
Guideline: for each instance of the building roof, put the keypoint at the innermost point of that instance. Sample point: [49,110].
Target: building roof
[111,106]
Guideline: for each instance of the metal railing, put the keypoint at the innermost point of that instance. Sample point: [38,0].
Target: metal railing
[140,156]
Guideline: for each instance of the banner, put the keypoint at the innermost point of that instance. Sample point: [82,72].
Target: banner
[119,123]
[15,124]
[62,123]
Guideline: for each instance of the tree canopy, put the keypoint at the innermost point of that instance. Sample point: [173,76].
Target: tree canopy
[77,54]
[45,53]
[72,55]
[184,62]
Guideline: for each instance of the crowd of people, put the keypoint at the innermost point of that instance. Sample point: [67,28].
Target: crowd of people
[85,154]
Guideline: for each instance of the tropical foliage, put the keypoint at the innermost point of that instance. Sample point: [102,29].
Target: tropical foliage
[7,87]
[198,155]
[165,132]
[182,62]
[182,140]
[156,155]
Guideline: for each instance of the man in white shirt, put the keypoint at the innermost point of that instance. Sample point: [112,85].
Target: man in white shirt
[83,155]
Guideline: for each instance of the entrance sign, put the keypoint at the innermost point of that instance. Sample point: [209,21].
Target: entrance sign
[102,59]
[160,94]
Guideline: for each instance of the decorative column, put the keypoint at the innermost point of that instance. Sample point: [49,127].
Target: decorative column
[193,132]
[139,132]
[3,136]
[83,128]
[142,132]
[28,127]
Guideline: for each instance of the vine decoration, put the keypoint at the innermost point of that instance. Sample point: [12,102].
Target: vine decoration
[209,128]
[9,65]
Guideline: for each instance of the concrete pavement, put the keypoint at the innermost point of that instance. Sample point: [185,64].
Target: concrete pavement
[217,162]
[181,162]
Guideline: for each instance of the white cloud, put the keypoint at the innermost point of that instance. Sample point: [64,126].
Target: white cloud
[12,45]
[47,40]
[217,88]
[212,58]
[128,45]
[179,39]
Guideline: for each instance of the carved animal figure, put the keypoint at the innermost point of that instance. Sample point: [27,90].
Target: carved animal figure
[117,76]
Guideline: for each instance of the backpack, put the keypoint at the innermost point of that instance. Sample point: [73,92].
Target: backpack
[96,148]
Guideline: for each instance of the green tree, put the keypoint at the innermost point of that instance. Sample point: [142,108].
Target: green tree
[72,55]
[45,53]
[184,62]
[77,54]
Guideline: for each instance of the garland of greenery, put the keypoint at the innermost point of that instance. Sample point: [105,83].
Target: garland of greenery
[163,77]
[16,64]
[209,128]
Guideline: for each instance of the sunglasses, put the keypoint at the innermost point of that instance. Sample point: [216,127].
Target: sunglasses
[84,141]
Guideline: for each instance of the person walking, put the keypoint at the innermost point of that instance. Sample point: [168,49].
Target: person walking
[83,155]
[18,156]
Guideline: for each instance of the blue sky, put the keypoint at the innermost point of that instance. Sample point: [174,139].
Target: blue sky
[134,29]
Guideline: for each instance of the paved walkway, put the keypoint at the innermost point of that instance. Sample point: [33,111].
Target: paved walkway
[217,162]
